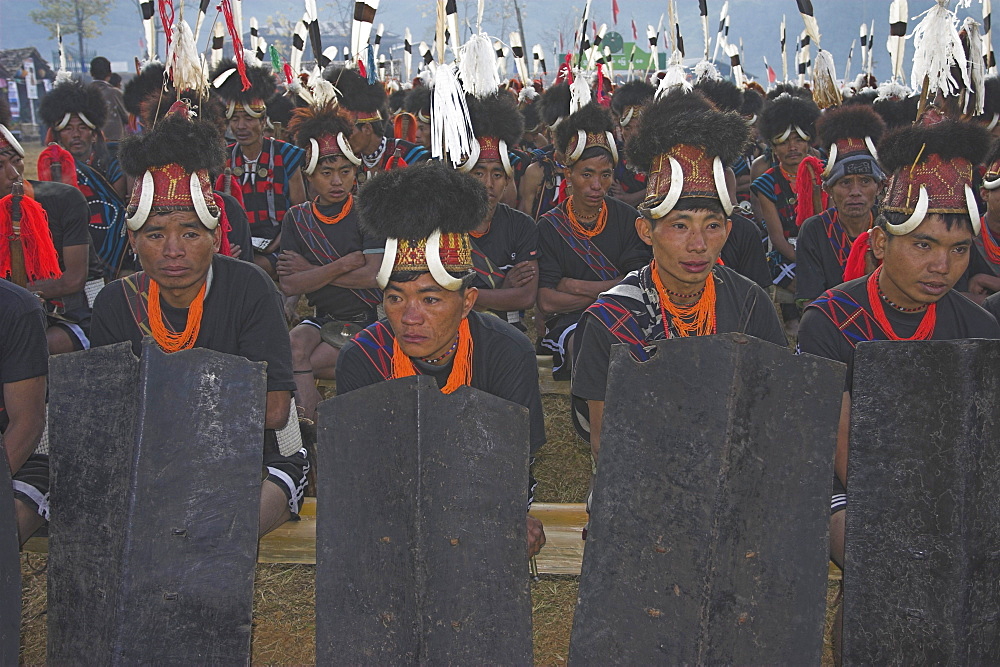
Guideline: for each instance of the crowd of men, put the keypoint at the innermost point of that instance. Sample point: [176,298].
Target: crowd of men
[576,222]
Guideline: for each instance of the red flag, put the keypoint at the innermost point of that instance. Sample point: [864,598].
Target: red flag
[635,33]
[614,10]
[771,76]
[562,49]
[594,26]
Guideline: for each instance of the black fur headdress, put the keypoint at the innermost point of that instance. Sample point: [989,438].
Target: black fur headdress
[310,123]
[262,83]
[853,121]
[948,139]
[591,118]
[496,116]
[279,109]
[147,82]
[555,103]
[785,111]
[418,100]
[73,97]
[633,93]
[687,118]
[723,94]
[354,91]
[174,140]
[991,103]
[791,89]
[412,203]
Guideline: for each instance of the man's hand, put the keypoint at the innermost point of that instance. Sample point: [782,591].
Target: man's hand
[615,190]
[290,262]
[235,250]
[536,536]
[983,284]
[352,261]
[520,275]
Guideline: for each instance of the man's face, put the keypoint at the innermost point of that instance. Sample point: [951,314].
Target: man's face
[11,168]
[175,249]
[361,139]
[923,265]
[854,195]
[425,316]
[249,131]
[423,135]
[791,151]
[631,128]
[992,199]
[491,174]
[78,138]
[591,179]
[686,245]
[333,180]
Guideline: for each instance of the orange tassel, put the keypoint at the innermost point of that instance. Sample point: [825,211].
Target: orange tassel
[40,259]
[411,126]
[461,369]
[56,154]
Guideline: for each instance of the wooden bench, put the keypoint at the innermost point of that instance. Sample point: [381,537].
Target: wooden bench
[295,541]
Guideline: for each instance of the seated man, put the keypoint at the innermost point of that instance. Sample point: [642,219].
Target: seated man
[853,180]
[65,300]
[505,243]
[430,326]
[325,254]
[924,247]
[75,114]
[24,363]
[684,291]
[268,170]
[190,296]
[589,242]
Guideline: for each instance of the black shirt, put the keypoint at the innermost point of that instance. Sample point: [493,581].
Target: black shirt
[242,316]
[239,227]
[957,318]
[24,352]
[69,218]
[511,239]
[740,306]
[817,267]
[619,242]
[345,237]
[744,251]
[503,364]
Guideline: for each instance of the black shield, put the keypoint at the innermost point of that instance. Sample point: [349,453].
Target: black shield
[923,515]
[155,499]
[10,569]
[420,537]
[708,534]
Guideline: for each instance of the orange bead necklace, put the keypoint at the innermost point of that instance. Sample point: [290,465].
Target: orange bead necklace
[577,226]
[173,341]
[695,319]
[461,369]
[328,220]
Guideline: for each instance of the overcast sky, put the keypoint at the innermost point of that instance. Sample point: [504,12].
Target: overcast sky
[755,21]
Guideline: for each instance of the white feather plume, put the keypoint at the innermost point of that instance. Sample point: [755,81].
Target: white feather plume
[579,92]
[825,90]
[893,90]
[477,66]
[936,46]
[976,68]
[706,69]
[675,77]
[451,128]
[183,62]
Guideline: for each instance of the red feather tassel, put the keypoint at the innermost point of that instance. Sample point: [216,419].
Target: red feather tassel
[807,179]
[234,188]
[241,66]
[224,226]
[40,259]
[856,266]
[56,154]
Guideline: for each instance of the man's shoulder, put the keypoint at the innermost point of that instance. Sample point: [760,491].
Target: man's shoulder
[16,301]
[230,270]
[52,191]
[812,226]
[514,216]
[492,331]
[735,281]
[976,320]
[620,209]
